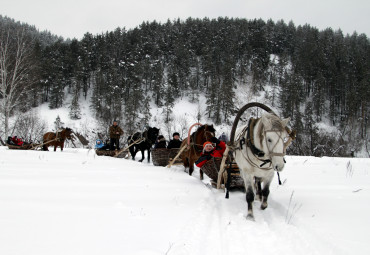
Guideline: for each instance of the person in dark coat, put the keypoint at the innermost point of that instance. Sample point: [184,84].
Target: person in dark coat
[175,142]
[210,151]
[223,137]
[160,143]
[114,134]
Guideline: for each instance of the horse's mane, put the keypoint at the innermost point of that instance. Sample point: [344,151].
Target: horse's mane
[276,124]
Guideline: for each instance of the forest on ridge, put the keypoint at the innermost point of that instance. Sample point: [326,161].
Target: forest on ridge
[309,75]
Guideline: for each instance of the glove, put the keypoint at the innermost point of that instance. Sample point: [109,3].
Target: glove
[215,140]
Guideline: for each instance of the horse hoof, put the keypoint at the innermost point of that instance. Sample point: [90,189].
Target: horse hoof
[250,217]
[263,205]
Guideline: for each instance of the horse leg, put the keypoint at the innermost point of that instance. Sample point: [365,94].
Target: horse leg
[200,174]
[250,199]
[265,193]
[191,166]
[148,155]
[142,155]
[132,152]
[258,188]
[45,148]
[62,146]
[55,147]
[248,184]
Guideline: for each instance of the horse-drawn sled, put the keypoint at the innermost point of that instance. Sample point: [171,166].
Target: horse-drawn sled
[56,139]
[15,143]
[259,149]
[251,156]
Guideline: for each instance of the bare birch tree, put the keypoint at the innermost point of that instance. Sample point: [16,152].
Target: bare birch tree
[15,72]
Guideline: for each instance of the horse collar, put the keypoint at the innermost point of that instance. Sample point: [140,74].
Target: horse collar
[250,139]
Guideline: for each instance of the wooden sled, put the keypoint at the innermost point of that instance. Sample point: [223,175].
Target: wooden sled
[163,156]
[212,167]
[23,147]
[108,153]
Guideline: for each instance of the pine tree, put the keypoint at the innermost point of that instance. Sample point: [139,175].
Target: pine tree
[75,112]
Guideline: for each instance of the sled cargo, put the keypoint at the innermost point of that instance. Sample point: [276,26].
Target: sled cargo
[162,156]
[212,167]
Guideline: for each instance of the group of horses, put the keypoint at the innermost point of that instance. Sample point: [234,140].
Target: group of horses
[259,150]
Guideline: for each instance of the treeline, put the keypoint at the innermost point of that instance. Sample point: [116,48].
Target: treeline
[307,74]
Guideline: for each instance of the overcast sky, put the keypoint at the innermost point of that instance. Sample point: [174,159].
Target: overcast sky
[73,18]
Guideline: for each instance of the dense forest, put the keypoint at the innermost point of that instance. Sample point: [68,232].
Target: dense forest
[307,74]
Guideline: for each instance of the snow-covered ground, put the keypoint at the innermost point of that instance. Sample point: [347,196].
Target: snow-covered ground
[74,202]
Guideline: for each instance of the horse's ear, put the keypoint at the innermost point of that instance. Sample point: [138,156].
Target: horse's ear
[266,121]
[285,122]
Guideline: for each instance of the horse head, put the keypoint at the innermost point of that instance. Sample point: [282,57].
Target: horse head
[203,133]
[272,139]
[68,133]
[152,134]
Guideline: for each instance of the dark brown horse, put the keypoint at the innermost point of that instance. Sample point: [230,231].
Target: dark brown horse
[56,139]
[194,145]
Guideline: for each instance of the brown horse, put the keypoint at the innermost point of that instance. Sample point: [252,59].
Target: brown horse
[56,139]
[194,145]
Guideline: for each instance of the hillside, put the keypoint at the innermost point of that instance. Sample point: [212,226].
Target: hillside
[318,78]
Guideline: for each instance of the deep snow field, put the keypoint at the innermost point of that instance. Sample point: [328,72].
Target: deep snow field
[75,202]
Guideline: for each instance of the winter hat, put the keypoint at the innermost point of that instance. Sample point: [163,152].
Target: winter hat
[205,144]
[176,133]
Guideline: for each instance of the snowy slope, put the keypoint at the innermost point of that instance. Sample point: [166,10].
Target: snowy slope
[74,202]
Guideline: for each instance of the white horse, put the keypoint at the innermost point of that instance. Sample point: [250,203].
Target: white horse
[261,147]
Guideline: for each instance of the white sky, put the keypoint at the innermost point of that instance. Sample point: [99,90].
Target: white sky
[73,18]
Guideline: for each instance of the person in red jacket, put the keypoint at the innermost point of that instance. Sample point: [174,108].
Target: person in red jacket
[210,151]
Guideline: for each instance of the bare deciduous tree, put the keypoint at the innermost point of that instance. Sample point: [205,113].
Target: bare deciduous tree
[30,127]
[15,72]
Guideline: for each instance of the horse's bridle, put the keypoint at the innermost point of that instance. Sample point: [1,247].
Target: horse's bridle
[271,151]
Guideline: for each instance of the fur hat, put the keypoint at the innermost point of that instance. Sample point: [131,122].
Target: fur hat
[176,133]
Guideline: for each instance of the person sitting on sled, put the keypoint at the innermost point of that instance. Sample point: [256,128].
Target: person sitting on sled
[160,143]
[99,145]
[175,142]
[15,141]
[209,151]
